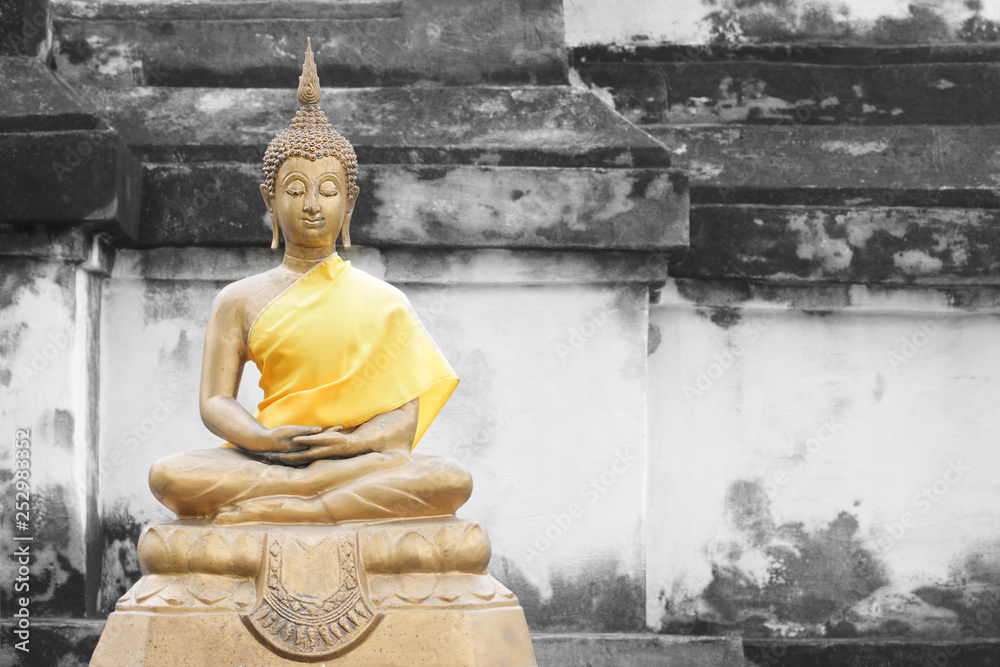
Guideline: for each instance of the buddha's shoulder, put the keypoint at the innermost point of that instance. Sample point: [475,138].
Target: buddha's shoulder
[248,295]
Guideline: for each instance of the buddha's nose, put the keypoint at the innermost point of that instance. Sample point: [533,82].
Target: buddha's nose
[310,205]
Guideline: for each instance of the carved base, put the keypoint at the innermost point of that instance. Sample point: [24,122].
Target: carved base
[393,593]
[483,638]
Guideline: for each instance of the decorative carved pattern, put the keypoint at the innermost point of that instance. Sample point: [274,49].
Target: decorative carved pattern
[439,591]
[299,625]
[454,546]
[192,593]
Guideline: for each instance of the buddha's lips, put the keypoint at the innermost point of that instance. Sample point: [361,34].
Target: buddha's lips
[309,222]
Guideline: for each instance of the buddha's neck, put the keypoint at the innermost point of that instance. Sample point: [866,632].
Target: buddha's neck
[302,262]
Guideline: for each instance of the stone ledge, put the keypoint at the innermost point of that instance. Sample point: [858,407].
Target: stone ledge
[868,652]
[446,41]
[437,206]
[871,245]
[694,92]
[195,10]
[916,165]
[635,650]
[556,126]
[401,266]
[808,53]
[70,177]
[61,164]
[34,100]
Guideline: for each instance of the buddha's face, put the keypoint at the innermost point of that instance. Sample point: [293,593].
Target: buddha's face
[310,203]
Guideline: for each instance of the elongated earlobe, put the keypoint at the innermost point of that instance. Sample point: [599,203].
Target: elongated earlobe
[269,203]
[345,233]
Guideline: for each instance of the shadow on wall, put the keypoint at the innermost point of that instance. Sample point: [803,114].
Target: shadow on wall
[596,599]
[762,21]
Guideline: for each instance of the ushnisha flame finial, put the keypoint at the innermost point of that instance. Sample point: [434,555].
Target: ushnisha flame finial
[309,90]
[310,134]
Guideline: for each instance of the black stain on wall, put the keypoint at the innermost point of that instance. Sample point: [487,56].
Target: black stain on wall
[598,598]
[654,339]
[56,585]
[121,564]
[813,577]
[973,593]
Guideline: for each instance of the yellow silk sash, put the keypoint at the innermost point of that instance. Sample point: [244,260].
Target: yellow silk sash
[339,347]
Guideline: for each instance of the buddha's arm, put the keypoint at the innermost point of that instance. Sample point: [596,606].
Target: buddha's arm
[222,367]
[392,430]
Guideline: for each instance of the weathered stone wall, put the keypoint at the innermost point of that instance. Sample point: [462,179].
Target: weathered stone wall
[824,387]
[839,442]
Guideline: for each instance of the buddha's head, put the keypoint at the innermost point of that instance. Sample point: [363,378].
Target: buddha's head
[310,174]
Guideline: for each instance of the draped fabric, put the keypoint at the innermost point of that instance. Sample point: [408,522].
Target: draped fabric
[339,347]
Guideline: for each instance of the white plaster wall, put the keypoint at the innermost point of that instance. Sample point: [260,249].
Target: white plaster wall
[907,389]
[552,396]
[680,21]
[38,377]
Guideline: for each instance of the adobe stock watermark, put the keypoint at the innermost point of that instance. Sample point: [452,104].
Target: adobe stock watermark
[43,356]
[912,344]
[928,496]
[824,435]
[590,493]
[743,336]
[387,354]
[580,334]
[496,418]
[138,434]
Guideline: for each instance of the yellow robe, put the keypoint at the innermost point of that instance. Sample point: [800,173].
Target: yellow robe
[339,347]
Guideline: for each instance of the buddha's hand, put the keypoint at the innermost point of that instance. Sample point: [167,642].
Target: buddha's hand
[327,443]
[281,439]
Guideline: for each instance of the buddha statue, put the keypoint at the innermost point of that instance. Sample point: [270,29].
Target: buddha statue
[315,532]
[351,380]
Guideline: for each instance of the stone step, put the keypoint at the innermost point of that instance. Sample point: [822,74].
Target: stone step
[636,650]
[69,642]
[62,165]
[226,10]
[246,43]
[696,92]
[909,652]
[496,167]
[914,165]
[35,101]
[813,53]
[552,126]
[866,245]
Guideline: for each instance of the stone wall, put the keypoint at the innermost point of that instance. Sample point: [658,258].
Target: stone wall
[823,391]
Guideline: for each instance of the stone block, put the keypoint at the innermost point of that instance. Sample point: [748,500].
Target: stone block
[614,650]
[368,44]
[870,245]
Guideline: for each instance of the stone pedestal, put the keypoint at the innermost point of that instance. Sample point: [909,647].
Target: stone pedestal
[396,593]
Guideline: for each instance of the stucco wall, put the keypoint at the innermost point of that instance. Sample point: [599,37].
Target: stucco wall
[42,340]
[841,462]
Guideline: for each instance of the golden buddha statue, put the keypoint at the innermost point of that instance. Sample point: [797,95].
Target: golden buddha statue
[315,533]
[351,380]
